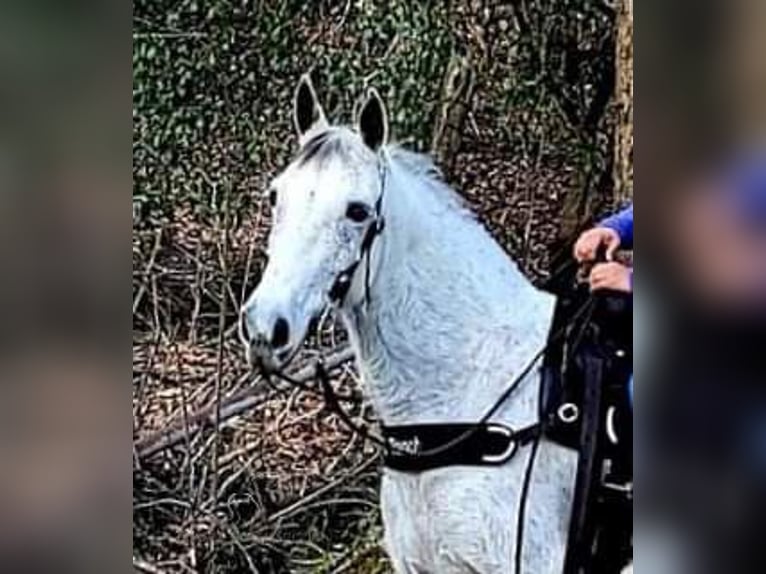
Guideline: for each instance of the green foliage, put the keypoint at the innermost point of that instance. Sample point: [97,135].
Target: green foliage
[213,85]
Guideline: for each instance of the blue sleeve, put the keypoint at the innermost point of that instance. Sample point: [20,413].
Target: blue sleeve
[622,223]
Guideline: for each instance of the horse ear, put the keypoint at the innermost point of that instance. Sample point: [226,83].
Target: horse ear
[373,121]
[306,109]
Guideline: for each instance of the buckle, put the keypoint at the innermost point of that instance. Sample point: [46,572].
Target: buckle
[568,413]
[510,450]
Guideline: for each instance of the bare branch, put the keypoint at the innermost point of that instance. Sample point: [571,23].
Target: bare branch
[144,566]
[237,404]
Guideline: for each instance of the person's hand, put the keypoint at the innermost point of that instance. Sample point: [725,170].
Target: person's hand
[586,247]
[612,276]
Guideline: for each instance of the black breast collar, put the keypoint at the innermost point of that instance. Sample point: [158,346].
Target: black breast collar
[417,448]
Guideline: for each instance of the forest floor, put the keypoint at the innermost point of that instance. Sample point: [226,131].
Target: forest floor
[282,486]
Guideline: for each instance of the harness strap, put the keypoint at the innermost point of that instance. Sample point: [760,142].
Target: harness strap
[342,283]
[442,451]
[580,528]
[417,448]
[332,404]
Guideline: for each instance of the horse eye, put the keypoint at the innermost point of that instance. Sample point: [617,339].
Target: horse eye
[357,212]
[273,197]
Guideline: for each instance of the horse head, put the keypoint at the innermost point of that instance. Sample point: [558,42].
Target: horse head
[324,204]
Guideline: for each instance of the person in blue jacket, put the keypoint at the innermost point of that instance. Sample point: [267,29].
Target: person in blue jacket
[612,233]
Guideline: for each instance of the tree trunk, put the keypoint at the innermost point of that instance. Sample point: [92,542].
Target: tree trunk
[527,119]
[623,164]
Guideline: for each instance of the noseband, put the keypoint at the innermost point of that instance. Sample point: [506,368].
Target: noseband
[342,284]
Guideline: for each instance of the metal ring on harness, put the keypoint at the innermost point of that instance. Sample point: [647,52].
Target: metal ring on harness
[568,413]
[611,429]
[509,452]
[342,283]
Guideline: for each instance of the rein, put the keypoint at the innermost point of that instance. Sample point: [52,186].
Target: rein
[337,296]
[531,434]
[527,434]
[522,436]
[403,454]
[388,443]
[465,432]
[343,281]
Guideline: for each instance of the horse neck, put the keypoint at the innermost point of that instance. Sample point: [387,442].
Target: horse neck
[450,318]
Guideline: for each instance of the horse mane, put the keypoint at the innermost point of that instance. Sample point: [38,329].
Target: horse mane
[422,167]
[324,145]
[344,144]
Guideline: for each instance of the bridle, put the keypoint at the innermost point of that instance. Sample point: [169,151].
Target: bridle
[343,281]
[336,297]
[529,435]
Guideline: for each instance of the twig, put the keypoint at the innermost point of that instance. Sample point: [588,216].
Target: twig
[241,546]
[233,406]
[168,35]
[141,388]
[148,270]
[342,21]
[144,566]
[223,255]
[248,267]
[319,492]
[237,473]
[196,295]
[185,418]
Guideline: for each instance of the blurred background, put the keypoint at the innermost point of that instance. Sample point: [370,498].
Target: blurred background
[526,106]
[702,290]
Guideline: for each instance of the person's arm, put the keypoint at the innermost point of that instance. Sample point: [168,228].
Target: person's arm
[622,223]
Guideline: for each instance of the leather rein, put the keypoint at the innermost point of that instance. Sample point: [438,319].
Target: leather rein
[416,448]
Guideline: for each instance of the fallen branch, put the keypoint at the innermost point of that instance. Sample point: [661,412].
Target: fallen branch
[249,398]
[144,566]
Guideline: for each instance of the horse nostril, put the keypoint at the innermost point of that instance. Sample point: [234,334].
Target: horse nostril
[281,334]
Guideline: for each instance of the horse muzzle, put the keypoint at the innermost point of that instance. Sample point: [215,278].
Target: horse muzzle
[269,340]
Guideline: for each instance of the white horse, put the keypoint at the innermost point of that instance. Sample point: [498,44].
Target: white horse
[440,326]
